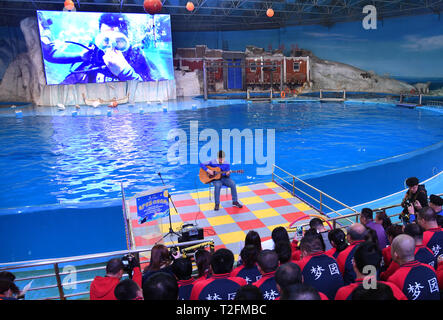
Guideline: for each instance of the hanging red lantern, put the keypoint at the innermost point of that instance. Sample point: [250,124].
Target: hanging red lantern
[152,6]
[69,5]
[270,12]
[190,6]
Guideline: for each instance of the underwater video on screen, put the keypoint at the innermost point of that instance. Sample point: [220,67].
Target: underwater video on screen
[94,47]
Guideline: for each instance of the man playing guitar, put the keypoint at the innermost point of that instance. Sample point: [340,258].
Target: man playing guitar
[224,181]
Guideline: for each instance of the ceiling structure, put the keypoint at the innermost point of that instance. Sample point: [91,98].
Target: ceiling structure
[221,15]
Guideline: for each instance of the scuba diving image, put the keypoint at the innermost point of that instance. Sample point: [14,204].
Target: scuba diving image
[91,47]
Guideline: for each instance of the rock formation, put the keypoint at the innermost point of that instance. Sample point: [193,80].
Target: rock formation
[339,76]
[423,87]
[24,77]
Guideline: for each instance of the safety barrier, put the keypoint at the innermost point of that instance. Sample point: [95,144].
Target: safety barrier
[55,264]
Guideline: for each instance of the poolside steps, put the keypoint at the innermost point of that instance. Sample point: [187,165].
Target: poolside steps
[332,100]
[407,105]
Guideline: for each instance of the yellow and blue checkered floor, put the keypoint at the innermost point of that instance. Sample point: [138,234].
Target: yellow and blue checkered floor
[265,207]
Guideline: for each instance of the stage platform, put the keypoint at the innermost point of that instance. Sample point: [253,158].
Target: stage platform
[265,207]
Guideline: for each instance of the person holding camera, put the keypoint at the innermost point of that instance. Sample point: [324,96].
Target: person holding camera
[161,261]
[415,198]
[102,288]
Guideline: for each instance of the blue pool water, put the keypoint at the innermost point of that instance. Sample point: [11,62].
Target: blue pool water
[59,159]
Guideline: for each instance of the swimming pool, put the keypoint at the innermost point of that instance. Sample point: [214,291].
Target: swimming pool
[61,174]
[65,159]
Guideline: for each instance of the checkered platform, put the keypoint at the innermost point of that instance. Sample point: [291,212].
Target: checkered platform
[265,207]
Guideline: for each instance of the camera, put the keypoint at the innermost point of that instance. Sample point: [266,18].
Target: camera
[407,203]
[172,252]
[129,262]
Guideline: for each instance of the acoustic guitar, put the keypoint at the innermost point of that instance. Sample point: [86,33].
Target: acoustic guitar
[207,178]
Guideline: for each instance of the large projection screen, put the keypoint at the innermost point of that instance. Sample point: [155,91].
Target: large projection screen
[94,47]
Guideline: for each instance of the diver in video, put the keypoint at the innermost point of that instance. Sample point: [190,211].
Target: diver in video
[109,58]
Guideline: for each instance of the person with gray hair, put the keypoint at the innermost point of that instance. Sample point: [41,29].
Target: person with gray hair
[417,280]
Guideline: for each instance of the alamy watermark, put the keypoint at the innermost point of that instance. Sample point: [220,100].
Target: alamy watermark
[370,20]
[258,149]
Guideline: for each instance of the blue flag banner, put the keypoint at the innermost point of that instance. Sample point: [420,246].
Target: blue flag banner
[152,206]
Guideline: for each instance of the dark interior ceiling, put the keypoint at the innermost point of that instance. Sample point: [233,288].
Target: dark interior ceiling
[210,15]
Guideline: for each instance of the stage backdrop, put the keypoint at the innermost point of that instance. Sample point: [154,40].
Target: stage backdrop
[408,48]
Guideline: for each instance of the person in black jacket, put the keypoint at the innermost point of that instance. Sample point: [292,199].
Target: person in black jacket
[415,198]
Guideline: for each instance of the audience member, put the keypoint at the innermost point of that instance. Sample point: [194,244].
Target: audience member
[317,224]
[436,203]
[160,286]
[220,286]
[249,269]
[253,238]
[248,292]
[371,235]
[295,249]
[391,232]
[6,275]
[128,290]
[102,288]
[318,269]
[366,218]
[439,219]
[8,290]
[284,251]
[433,235]
[383,219]
[182,268]
[440,273]
[356,235]
[416,197]
[383,292]
[267,264]
[277,235]
[422,253]
[367,256]
[288,274]
[315,234]
[300,292]
[337,238]
[417,280]
[203,262]
[389,266]
[160,261]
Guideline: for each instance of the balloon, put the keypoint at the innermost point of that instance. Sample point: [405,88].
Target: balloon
[190,6]
[69,4]
[152,6]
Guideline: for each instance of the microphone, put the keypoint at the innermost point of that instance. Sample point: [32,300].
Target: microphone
[160,175]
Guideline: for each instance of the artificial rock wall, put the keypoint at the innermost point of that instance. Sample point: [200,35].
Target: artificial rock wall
[339,76]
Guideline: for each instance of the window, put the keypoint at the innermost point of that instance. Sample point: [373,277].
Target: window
[296,66]
[253,66]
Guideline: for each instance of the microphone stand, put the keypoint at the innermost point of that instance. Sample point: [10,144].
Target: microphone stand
[171,231]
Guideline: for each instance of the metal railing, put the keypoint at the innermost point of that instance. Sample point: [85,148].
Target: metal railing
[322,98]
[384,209]
[57,274]
[333,220]
[320,201]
